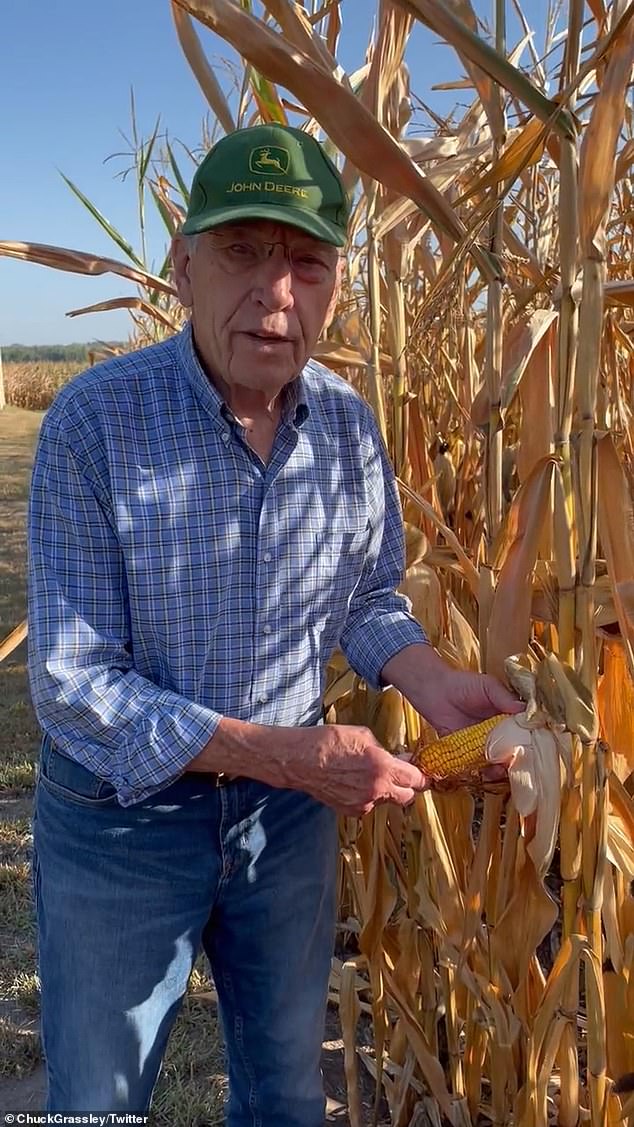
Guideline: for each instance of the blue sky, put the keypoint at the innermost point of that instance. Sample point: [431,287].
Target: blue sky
[65,85]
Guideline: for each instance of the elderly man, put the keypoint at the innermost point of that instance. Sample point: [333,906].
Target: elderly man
[210,517]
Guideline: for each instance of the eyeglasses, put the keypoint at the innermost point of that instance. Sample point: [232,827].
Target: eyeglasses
[240,255]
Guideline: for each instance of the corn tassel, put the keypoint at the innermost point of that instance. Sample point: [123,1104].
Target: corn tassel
[459,753]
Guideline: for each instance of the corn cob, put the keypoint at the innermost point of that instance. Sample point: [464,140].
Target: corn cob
[459,753]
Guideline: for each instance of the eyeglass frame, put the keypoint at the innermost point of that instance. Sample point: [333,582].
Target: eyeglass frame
[257,241]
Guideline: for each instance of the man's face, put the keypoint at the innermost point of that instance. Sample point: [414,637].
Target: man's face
[257,310]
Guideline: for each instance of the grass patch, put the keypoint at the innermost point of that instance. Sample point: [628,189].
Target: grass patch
[25,988]
[15,838]
[14,889]
[17,925]
[17,778]
[18,734]
[20,1050]
[192,1086]
[18,731]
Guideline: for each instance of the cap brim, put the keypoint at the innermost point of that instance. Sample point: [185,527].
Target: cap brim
[290,216]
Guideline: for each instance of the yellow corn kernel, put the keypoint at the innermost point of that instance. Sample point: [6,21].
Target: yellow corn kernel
[458,753]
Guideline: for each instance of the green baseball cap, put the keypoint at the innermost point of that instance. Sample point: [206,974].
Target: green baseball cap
[270,172]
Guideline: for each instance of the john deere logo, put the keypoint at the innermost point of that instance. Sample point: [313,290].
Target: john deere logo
[271,160]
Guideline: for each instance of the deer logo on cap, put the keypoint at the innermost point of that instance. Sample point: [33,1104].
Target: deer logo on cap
[272,160]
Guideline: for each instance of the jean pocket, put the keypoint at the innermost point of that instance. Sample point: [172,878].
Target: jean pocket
[65,778]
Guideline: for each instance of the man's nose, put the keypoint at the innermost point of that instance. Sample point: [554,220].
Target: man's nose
[274,284]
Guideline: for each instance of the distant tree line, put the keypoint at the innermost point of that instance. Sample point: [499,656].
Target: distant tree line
[40,353]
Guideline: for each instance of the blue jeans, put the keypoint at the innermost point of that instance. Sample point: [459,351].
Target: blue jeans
[125,899]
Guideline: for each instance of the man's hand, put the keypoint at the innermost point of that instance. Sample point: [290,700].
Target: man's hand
[448,698]
[343,766]
[461,698]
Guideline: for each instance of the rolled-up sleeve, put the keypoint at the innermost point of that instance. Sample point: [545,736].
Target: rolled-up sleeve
[87,695]
[379,622]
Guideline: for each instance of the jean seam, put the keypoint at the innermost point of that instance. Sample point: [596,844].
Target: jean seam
[225,871]
[238,1022]
[226,810]
[36,893]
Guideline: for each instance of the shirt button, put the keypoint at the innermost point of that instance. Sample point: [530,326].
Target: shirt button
[225,436]
[267,557]
[263,698]
[267,629]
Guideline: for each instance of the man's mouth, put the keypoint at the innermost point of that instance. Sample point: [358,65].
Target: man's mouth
[269,338]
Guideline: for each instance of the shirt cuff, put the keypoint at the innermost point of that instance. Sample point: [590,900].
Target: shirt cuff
[377,639]
[178,741]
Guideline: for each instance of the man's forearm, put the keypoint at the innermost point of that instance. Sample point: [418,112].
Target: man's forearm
[259,751]
[418,672]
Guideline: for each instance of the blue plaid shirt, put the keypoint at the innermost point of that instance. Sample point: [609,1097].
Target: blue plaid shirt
[174,578]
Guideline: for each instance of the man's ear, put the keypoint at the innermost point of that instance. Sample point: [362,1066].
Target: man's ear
[181,262]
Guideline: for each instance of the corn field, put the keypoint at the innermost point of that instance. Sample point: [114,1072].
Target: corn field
[486,314]
[33,385]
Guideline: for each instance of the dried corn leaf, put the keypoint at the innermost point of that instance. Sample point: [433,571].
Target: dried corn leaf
[520,343]
[78,262]
[554,998]
[146,307]
[620,843]
[525,148]
[598,150]
[464,637]
[381,893]
[386,719]
[475,897]
[446,886]
[342,356]
[439,16]
[422,587]
[615,699]
[610,917]
[619,292]
[416,545]
[536,436]
[298,29]
[566,698]
[470,573]
[518,545]
[616,530]
[202,71]
[619,1021]
[429,1064]
[13,640]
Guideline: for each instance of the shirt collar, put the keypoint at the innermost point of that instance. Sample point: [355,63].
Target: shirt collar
[295,408]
